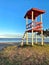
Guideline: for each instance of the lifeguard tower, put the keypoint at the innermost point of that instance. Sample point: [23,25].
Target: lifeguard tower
[34,25]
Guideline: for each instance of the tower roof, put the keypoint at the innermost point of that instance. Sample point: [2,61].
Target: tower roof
[36,12]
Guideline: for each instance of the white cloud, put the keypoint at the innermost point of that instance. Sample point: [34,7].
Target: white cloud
[11,35]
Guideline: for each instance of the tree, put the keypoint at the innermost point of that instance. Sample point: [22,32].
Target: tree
[45,32]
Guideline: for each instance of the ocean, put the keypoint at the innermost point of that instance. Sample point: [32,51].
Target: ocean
[10,39]
[46,39]
[4,42]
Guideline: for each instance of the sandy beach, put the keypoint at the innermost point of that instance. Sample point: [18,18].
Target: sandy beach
[5,44]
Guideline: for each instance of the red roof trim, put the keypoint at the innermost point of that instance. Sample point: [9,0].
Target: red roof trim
[36,12]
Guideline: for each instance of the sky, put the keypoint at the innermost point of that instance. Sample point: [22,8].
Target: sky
[12,14]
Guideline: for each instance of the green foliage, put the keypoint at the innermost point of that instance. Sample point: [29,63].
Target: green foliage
[45,32]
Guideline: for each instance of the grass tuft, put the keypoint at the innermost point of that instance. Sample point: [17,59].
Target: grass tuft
[25,55]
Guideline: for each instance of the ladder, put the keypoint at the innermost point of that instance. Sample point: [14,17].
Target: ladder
[24,36]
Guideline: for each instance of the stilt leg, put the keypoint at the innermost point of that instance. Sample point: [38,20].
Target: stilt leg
[42,37]
[26,38]
[22,43]
[36,37]
[32,37]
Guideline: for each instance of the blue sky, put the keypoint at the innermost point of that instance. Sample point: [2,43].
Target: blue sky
[12,14]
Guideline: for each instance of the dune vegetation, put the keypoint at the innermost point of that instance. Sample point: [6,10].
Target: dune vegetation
[26,55]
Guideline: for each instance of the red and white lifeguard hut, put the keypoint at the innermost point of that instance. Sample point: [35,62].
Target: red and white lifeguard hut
[34,25]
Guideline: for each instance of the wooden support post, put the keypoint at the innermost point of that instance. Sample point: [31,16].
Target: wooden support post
[26,38]
[26,32]
[36,37]
[22,43]
[36,32]
[32,29]
[42,29]
[42,37]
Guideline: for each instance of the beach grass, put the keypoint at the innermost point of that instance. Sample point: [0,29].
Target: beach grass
[25,55]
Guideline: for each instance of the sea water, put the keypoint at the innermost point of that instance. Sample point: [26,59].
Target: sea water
[4,42]
[46,39]
[10,39]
